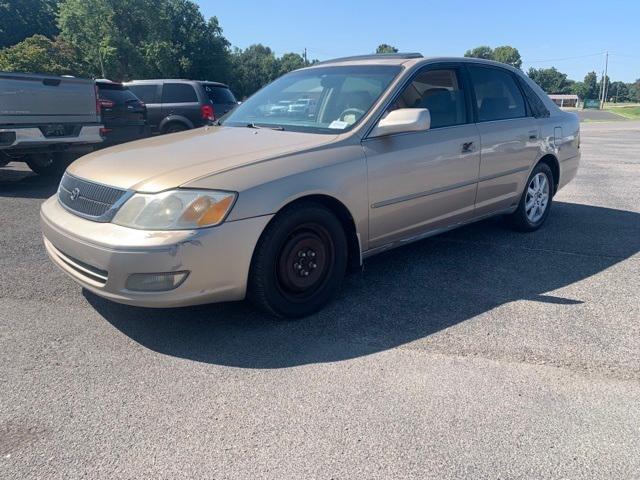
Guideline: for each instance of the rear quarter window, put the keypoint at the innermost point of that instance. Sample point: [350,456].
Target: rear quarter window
[178,93]
[538,108]
[219,94]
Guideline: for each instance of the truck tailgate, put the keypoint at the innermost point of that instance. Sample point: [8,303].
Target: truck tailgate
[42,99]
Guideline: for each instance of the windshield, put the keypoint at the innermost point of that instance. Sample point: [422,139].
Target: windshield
[317,100]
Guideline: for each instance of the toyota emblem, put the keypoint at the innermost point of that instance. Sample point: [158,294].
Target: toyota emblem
[75,193]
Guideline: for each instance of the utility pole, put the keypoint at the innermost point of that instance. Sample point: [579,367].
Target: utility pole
[604,81]
[305,56]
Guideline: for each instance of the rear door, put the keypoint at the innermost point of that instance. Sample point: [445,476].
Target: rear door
[181,99]
[508,134]
[149,94]
[220,97]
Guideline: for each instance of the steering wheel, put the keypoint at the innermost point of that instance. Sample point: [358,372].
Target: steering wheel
[355,111]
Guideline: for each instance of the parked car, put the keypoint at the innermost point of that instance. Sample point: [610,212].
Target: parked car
[47,121]
[276,208]
[177,105]
[124,115]
[303,106]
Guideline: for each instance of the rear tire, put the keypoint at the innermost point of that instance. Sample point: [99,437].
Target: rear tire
[299,262]
[48,164]
[535,203]
[174,128]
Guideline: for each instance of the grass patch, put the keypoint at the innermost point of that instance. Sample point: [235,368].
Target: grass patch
[631,112]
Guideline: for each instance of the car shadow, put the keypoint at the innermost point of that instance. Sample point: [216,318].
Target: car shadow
[22,183]
[401,296]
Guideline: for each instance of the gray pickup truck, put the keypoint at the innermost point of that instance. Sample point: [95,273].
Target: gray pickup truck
[47,121]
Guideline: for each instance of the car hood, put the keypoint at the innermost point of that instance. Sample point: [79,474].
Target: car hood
[169,161]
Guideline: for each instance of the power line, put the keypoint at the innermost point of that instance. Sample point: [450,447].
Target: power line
[565,58]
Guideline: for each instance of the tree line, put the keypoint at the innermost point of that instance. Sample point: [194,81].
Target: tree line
[552,80]
[131,39]
[135,39]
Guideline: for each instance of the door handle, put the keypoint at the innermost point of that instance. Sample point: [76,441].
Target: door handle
[533,135]
[467,147]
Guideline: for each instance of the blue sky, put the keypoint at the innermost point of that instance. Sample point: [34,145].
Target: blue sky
[570,35]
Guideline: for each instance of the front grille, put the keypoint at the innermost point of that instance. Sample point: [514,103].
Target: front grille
[88,199]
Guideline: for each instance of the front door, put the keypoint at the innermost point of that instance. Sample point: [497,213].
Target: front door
[424,181]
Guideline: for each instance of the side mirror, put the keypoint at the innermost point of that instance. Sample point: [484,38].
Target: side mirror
[403,120]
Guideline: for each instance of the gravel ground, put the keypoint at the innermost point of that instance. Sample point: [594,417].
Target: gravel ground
[478,354]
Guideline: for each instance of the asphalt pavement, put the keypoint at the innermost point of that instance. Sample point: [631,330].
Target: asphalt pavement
[482,353]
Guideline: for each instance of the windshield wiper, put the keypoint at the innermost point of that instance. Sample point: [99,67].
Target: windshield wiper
[275,127]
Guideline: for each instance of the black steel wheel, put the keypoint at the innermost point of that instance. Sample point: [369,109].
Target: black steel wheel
[299,262]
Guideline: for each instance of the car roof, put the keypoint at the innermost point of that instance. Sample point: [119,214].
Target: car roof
[405,59]
[176,80]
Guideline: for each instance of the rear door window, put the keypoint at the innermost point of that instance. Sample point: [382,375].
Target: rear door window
[148,93]
[218,94]
[178,93]
[497,94]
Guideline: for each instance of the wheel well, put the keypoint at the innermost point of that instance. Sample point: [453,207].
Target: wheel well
[174,122]
[553,164]
[343,214]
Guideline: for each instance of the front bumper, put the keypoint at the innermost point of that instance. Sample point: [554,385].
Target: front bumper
[102,256]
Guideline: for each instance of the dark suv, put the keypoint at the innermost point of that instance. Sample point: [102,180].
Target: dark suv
[176,105]
[123,115]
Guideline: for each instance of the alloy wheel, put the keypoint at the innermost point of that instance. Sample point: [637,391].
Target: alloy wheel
[537,199]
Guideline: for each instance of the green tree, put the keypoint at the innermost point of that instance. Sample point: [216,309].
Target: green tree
[124,39]
[252,68]
[39,54]
[589,88]
[289,62]
[634,91]
[618,92]
[551,80]
[480,52]
[386,48]
[507,54]
[20,19]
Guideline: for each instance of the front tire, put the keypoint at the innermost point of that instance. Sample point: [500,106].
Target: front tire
[299,262]
[535,203]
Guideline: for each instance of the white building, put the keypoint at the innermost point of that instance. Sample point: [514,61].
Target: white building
[563,100]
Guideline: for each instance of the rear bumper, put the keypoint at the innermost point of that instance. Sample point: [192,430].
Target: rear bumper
[102,256]
[32,137]
[124,133]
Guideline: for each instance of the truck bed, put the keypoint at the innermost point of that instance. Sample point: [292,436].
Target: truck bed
[37,100]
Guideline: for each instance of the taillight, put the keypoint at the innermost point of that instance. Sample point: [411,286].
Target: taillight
[207,112]
[105,131]
[106,103]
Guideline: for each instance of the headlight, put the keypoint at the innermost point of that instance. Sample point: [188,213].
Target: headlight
[175,210]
